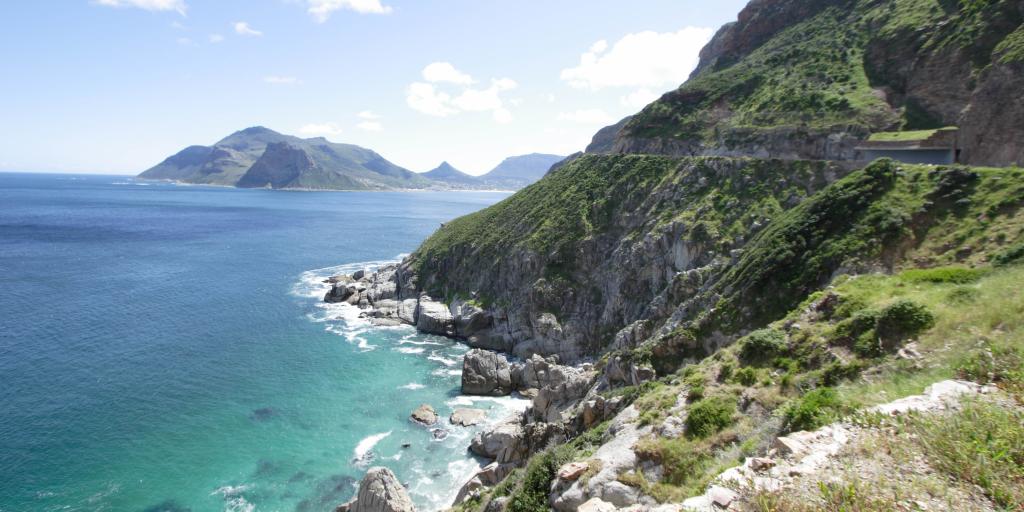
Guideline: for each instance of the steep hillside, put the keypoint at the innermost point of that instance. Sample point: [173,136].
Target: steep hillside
[810,79]
[307,163]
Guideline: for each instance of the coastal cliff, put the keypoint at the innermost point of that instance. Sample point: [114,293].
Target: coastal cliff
[718,301]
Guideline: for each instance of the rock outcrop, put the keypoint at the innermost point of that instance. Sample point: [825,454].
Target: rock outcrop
[467,417]
[379,491]
[424,415]
[486,373]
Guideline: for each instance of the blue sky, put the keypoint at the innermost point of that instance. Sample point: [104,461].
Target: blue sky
[117,85]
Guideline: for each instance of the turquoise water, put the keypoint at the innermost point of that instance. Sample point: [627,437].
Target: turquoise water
[164,348]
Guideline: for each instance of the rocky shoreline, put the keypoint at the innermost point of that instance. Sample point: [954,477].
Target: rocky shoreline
[565,399]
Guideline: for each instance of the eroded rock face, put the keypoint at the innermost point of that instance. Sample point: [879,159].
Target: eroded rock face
[379,491]
[434,318]
[486,373]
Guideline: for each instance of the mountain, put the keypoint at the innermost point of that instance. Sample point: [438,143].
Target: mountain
[445,173]
[813,79]
[259,157]
[721,307]
[516,172]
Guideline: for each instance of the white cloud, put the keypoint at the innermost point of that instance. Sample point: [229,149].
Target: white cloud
[321,129]
[242,28]
[587,116]
[430,99]
[639,98]
[445,72]
[369,115]
[321,9]
[424,98]
[281,80]
[216,38]
[370,126]
[643,59]
[149,5]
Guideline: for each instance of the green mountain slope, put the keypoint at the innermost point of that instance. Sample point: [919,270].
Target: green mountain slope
[812,78]
[307,163]
[732,275]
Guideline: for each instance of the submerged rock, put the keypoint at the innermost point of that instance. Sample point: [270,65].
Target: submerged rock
[379,491]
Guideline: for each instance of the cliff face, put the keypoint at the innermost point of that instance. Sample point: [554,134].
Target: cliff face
[810,79]
[604,242]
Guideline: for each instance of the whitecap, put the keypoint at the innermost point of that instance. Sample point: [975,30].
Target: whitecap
[434,356]
[412,386]
[362,453]
[409,350]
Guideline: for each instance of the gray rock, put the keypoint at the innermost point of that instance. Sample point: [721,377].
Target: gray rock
[467,417]
[485,373]
[469,319]
[407,311]
[424,415]
[379,491]
[505,442]
[434,318]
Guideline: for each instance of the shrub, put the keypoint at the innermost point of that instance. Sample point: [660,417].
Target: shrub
[708,416]
[725,371]
[852,328]
[953,275]
[746,376]
[834,373]
[962,295]
[762,345]
[867,345]
[816,408]
[903,319]
[1011,255]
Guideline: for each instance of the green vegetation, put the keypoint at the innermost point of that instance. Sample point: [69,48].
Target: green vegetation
[762,345]
[1011,49]
[983,443]
[708,416]
[833,497]
[816,408]
[903,319]
[912,135]
[820,73]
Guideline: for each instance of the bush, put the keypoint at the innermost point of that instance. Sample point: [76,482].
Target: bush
[903,319]
[746,376]
[953,275]
[708,416]
[762,345]
[1011,255]
[850,329]
[816,408]
[836,372]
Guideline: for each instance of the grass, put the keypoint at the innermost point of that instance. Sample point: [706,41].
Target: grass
[832,497]
[906,136]
[983,443]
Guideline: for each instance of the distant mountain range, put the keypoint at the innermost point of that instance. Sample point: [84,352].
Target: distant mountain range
[258,157]
[513,173]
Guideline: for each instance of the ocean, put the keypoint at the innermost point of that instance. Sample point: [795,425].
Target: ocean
[165,348]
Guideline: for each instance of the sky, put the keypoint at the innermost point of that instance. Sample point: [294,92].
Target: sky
[116,86]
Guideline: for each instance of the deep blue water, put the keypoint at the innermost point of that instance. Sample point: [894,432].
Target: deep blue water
[163,347]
